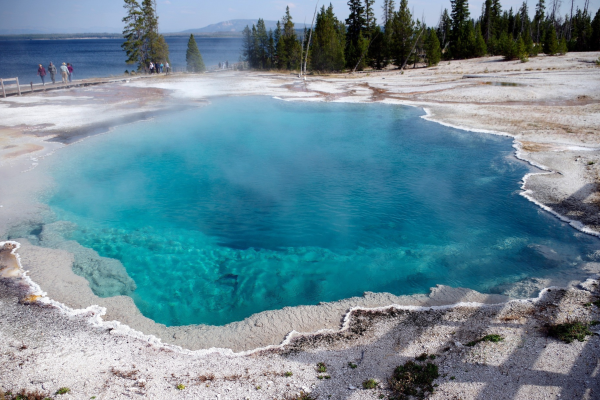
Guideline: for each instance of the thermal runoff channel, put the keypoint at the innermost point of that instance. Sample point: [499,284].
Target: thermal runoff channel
[251,204]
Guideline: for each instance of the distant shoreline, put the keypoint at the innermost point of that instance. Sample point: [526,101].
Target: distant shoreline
[217,35]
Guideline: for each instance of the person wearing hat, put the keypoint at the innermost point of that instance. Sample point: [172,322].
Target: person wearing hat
[64,71]
[42,73]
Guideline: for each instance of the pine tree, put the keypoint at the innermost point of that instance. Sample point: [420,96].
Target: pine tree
[525,21]
[520,50]
[247,46]
[562,46]
[530,49]
[538,20]
[460,28]
[193,57]
[271,50]
[486,20]
[143,43]
[432,49]
[444,28]
[378,51]
[278,45]
[388,11]
[594,44]
[582,31]
[550,41]
[290,47]
[480,49]
[327,51]
[134,33]
[403,32]
[160,50]
[356,43]
[370,20]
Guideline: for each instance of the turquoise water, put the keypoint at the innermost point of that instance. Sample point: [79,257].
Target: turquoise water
[252,204]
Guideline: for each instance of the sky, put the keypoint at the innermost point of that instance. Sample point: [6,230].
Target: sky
[71,16]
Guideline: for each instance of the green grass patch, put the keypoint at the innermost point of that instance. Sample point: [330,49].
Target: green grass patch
[321,367]
[288,373]
[570,331]
[486,338]
[180,386]
[352,365]
[370,384]
[63,390]
[412,379]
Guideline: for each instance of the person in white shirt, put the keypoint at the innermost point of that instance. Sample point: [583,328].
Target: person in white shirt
[64,72]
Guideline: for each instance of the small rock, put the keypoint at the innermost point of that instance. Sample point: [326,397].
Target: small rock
[352,387]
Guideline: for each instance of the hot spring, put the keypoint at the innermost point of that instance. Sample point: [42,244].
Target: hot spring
[251,204]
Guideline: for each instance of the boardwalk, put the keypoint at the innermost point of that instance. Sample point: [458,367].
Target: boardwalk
[12,90]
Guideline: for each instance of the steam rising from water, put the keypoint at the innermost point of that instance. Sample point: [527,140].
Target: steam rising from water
[252,204]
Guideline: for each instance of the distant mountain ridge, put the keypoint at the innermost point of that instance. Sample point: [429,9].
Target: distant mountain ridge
[234,25]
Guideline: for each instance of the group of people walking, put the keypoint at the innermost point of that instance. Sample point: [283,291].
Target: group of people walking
[66,72]
[159,68]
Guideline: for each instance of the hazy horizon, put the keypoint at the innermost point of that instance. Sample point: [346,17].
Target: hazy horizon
[87,16]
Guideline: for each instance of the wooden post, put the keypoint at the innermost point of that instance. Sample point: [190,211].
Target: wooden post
[18,87]
[3,91]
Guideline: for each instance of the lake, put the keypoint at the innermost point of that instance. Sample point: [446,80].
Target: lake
[100,57]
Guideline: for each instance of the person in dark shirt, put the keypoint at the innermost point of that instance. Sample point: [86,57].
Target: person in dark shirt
[52,71]
[70,68]
[42,73]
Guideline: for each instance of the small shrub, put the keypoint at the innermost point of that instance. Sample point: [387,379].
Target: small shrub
[321,367]
[301,396]
[180,386]
[288,374]
[63,390]
[352,365]
[24,395]
[452,378]
[258,388]
[486,338]
[412,379]
[432,357]
[204,378]
[570,331]
[370,384]
[422,357]
[590,163]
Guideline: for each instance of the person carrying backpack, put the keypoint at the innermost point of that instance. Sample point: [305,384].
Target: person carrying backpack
[52,71]
[42,73]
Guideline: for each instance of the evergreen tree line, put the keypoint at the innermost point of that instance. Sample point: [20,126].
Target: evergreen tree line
[143,44]
[401,39]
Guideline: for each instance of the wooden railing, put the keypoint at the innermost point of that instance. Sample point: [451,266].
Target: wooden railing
[10,80]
